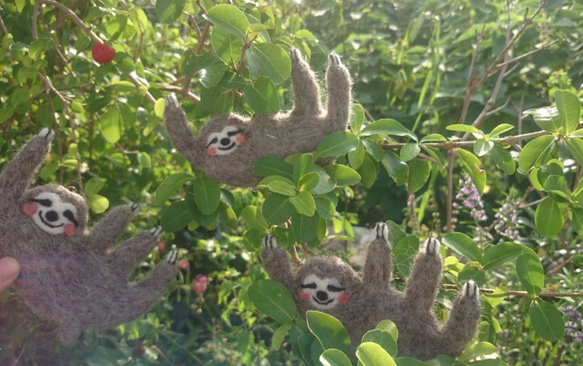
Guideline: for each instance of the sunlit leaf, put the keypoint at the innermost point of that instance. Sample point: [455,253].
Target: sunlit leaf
[273,299]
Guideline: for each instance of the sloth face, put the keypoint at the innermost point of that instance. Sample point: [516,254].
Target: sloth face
[51,214]
[225,142]
[323,294]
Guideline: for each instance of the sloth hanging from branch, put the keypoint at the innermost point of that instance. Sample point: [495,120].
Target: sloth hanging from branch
[329,285]
[228,146]
[70,274]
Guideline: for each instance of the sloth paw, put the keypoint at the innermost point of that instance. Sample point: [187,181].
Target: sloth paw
[156,231]
[171,100]
[334,59]
[295,54]
[134,207]
[471,290]
[382,231]
[47,133]
[269,242]
[432,246]
[172,256]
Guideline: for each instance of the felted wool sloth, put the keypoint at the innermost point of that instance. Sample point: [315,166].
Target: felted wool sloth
[329,285]
[229,145]
[71,274]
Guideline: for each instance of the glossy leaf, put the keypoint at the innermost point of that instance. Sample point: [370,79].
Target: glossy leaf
[273,165]
[273,299]
[418,174]
[270,60]
[372,354]
[334,357]
[382,338]
[207,194]
[549,217]
[342,174]
[503,159]
[535,152]
[409,152]
[569,108]
[304,227]
[175,217]
[499,254]
[547,320]
[387,126]
[169,10]
[328,330]
[226,45]
[463,245]
[230,19]
[530,271]
[336,144]
[254,218]
[304,203]
[171,186]
[277,209]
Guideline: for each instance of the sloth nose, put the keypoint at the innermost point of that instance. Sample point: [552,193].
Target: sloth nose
[52,216]
[225,141]
[322,295]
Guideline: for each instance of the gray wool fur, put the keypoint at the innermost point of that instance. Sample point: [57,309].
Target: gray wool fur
[71,274]
[228,146]
[330,285]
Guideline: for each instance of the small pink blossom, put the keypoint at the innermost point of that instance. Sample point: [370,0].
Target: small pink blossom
[161,248]
[184,264]
[200,284]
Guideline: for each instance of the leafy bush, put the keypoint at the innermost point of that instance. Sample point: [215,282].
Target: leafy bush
[465,123]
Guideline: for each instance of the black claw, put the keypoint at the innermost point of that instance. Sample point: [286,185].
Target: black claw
[295,54]
[156,231]
[381,230]
[432,246]
[172,257]
[47,133]
[334,59]
[471,289]
[269,241]
[171,100]
[134,207]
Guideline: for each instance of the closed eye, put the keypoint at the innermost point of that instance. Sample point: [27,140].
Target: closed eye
[45,203]
[213,141]
[335,288]
[71,217]
[310,285]
[234,133]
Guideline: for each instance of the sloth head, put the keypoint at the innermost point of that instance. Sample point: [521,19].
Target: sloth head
[325,283]
[223,135]
[56,210]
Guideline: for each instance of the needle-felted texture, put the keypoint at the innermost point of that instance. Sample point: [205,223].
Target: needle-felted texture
[71,274]
[228,146]
[329,285]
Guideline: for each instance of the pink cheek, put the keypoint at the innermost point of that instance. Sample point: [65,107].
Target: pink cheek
[343,298]
[304,295]
[241,139]
[211,151]
[29,209]
[69,229]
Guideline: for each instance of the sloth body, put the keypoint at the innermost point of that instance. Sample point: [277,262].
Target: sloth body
[330,285]
[70,274]
[229,145]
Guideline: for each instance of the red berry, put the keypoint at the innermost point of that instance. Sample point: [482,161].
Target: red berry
[102,53]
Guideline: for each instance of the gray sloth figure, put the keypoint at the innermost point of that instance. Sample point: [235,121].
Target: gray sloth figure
[229,145]
[73,275]
[329,285]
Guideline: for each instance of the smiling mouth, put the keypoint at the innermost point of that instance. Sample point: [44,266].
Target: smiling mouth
[228,147]
[322,302]
[40,215]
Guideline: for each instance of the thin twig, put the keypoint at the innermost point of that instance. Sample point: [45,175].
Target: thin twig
[518,293]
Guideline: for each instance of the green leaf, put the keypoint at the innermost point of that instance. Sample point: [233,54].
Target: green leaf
[499,254]
[356,117]
[418,174]
[170,186]
[207,194]
[382,338]
[268,59]
[463,245]
[262,96]
[464,128]
[409,151]
[328,330]
[94,185]
[168,11]
[98,203]
[503,159]
[334,357]
[279,336]
[395,167]
[569,108]
[304,227]
[471,165]
[304,203]
[227,46]
[356,156]
[282,185]
[387,126]
[343,175]
[479,351]
[530,271]
[547,320]
[230,19]
[324,207]
[277,209]
[302,166]
[212,75]
[111,124]
[336,144]
[548,217]
[409,361]
[309,181]
[388,326]
[254,218]
[368,171]
[575,147]
[536,152]
[273,299]
[483,146]
[175,217]
[372,354]
[273,165]
[325,182]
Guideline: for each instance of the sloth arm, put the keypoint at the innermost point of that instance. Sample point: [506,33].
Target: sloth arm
[377,267]
[16,176]
[338,85]
[306,90]
[104,234]
[278,266]
[180,132]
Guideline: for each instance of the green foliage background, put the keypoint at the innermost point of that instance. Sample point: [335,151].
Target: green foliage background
[450,96]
